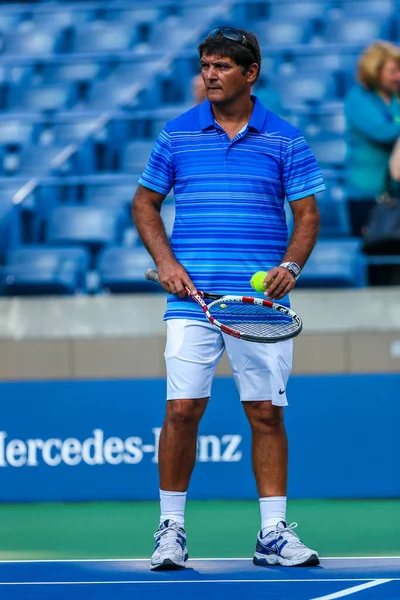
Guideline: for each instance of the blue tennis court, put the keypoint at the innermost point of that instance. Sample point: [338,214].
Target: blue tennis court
[363,578]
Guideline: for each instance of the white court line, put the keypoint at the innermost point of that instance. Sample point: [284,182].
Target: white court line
[158,581]
[248,558]
[353,590]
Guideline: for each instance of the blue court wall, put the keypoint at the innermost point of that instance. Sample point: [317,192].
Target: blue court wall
[97,440]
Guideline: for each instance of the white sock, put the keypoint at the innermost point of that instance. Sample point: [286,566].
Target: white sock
[273,510]
[172,506]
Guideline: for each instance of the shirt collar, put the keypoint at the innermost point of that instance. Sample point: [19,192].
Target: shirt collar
[256,122]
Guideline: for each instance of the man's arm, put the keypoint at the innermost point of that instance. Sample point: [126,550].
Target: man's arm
[146,207]
[305,234]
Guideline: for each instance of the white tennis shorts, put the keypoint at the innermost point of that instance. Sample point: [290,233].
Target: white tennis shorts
[194,348]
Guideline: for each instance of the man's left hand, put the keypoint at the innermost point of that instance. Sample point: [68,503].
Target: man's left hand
[283,282]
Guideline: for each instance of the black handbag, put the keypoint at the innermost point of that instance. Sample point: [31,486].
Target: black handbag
[383,232]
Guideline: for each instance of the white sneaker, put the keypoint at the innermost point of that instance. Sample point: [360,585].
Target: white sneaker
[170,552]
[281,546]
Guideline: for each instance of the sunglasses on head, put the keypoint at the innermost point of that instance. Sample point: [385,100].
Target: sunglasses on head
[230,33]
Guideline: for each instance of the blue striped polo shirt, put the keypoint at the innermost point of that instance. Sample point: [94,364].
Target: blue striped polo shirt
[229,196]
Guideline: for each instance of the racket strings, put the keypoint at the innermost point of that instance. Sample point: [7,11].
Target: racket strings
[253,319]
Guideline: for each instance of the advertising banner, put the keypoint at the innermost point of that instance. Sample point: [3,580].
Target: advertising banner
[98,440]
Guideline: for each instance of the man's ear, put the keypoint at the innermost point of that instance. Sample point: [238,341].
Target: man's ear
[252,73]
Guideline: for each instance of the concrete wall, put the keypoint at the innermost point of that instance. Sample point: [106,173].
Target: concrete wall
[123,336]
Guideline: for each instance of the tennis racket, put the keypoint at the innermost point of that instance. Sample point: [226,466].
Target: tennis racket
[243,317]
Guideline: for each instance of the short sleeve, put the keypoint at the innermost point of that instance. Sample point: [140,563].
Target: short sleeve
[159,173]
[301,175]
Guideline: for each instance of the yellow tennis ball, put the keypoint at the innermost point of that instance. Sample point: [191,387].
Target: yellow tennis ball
[256,281]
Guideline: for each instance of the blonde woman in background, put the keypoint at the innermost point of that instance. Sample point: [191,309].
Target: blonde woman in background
[372,111]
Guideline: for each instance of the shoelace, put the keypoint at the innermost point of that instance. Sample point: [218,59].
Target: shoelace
[289,535]
[168,537]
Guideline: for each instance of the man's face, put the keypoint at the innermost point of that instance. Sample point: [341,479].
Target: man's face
[224,79]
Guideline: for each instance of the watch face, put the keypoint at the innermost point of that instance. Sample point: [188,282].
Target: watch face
[294,268]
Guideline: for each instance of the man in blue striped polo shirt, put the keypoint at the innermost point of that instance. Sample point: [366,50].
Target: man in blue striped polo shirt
[231,163]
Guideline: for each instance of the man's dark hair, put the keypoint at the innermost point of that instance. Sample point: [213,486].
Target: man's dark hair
[244,55]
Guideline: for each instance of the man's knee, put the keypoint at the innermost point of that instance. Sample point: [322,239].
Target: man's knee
[264,416]
[185,413]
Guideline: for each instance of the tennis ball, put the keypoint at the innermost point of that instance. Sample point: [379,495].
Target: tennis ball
[256,281]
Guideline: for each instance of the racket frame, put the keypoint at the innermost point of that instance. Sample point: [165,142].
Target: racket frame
[199,296]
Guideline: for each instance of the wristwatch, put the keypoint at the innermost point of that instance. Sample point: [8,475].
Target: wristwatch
[293,268]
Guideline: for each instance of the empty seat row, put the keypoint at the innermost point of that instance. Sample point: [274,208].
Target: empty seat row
[62,270]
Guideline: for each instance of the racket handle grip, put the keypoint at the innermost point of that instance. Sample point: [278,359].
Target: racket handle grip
[152,275]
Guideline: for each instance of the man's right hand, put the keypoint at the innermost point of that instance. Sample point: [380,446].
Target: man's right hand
[174,278]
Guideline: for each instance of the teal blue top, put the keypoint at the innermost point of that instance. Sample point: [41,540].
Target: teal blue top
[372,128]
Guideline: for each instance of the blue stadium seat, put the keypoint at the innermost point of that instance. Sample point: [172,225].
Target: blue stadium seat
[136,156]
[168,215]
[112,196]
[282,33]
[16,132]
[326,59]
[72,71]
[312,88]
[303,10]
[41,98]
[73,130]
[324,122]
[10,221]
[373,8]
[102,37]
[355,30]
[84,225]
[32,43]
[32,270]
[335,263]
[333,211]
[330,151]
[122,85]
[34,161]
[109,195]
[8,21]
[56,15]
[109,94]
[122,270]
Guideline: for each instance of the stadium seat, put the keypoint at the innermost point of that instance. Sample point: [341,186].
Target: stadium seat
[335,263]
[16,132]
[330,151]
[117,197]
[168,215]
[73,71]
[136,156]
[355,30]
[10,222]
[315,88]
[73,130]
[122,270]
[60,17]
[281,33]
[368,8]
[318,123]
[84,225]
[102,37]
[333,211]
[41,98]
[109,194]
[32,270]
[32,43]
[8,21]
[304,10]
[34,161]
